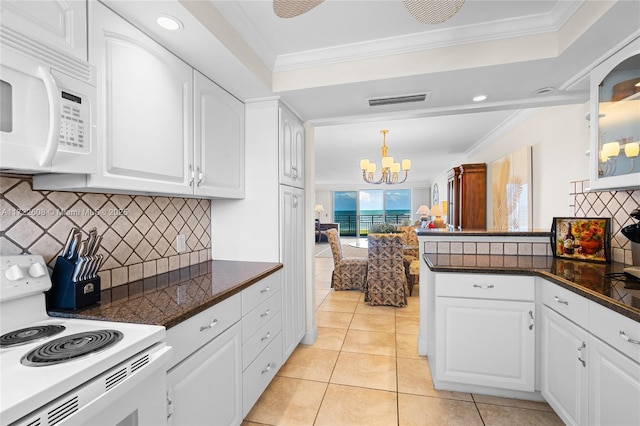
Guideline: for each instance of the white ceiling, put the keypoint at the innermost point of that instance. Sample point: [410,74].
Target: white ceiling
[327,62]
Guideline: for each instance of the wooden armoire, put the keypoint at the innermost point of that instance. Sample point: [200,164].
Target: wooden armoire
[467,196]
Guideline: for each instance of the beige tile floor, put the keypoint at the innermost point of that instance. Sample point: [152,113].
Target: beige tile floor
[364,369]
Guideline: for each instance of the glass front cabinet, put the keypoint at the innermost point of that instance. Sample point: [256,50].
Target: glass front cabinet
[615,120]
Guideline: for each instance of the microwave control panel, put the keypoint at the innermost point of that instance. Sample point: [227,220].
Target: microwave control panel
[74,118]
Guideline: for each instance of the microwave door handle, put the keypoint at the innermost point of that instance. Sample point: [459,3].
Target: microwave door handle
[53,138]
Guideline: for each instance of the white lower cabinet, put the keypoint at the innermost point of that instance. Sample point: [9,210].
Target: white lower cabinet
[486,342]
[564,382]
[206,388]
[204,381]
[589,377]
[614,386]
[483,336]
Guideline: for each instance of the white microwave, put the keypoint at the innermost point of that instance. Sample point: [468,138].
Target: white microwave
[47,109]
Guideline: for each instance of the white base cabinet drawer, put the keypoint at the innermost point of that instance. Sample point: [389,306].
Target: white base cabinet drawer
[256,319]
[566,303]
[259,374]
[261,339]
[486,286]
[260,291]
[189,335]
[620,332]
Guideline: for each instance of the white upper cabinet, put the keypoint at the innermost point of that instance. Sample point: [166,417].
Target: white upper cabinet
[163,128]
[291,149]
[144,109]
[615,120]
[61,25]
[219,141]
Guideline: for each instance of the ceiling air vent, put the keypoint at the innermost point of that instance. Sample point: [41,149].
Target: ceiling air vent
[400,99]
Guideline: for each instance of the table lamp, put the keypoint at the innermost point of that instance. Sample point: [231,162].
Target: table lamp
[319,209]
[423,211]
[437,212]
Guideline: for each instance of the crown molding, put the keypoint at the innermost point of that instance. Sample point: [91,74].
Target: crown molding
[441,38]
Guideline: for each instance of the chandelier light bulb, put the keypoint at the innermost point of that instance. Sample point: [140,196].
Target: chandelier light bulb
[364,165]
[406,165]
[632,149]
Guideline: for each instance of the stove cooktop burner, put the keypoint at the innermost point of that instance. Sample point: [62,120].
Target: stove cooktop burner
[70,347]
[29,334]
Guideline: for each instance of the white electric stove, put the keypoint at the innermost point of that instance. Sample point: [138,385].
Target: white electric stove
[57,371]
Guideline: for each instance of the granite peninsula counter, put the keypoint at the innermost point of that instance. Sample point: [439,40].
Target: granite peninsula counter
[602,283]
[170,298]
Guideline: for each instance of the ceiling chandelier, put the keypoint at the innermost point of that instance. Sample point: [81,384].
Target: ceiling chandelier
[424,11]
[390,170]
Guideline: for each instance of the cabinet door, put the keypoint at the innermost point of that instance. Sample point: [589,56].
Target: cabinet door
[218,141]
[564,369]
[61,25]
[614,386]
[144,109]
[485,342]
[615,120]
[292,256]
[206,388]
[291,149]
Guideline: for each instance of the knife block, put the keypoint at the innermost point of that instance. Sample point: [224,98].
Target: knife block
[68,294]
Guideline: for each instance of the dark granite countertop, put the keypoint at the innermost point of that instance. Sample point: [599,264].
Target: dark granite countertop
[599,282]
[482,233]
[170,298]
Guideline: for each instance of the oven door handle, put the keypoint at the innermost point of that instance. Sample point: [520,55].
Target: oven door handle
[53,136]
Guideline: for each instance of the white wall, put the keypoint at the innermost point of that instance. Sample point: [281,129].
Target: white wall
[326,199]
[248,229]
[559,137]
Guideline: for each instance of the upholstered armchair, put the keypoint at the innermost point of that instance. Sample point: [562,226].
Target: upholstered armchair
[410,254]
[386,278]
[348,272]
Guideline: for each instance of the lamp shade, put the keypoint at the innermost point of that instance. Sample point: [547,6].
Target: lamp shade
[423,210]
[436,210]
[319,208]
[632,149]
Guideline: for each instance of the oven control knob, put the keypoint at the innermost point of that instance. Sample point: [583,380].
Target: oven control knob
[37,270]
[14,273]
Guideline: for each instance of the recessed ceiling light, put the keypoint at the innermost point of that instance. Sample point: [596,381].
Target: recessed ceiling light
[479,98]
[170,23]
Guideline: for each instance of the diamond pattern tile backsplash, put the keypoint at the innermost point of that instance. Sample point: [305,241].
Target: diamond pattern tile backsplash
[614,204]
[139,231]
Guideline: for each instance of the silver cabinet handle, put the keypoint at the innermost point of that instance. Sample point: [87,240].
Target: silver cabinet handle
[210,325]
[266,369]
[580,348]
[265,313]
[483,286]
[557,299]
[626,338]
[193,175]
[199,176]
[294,172]
[531,322]
[266,289]
[266,336]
